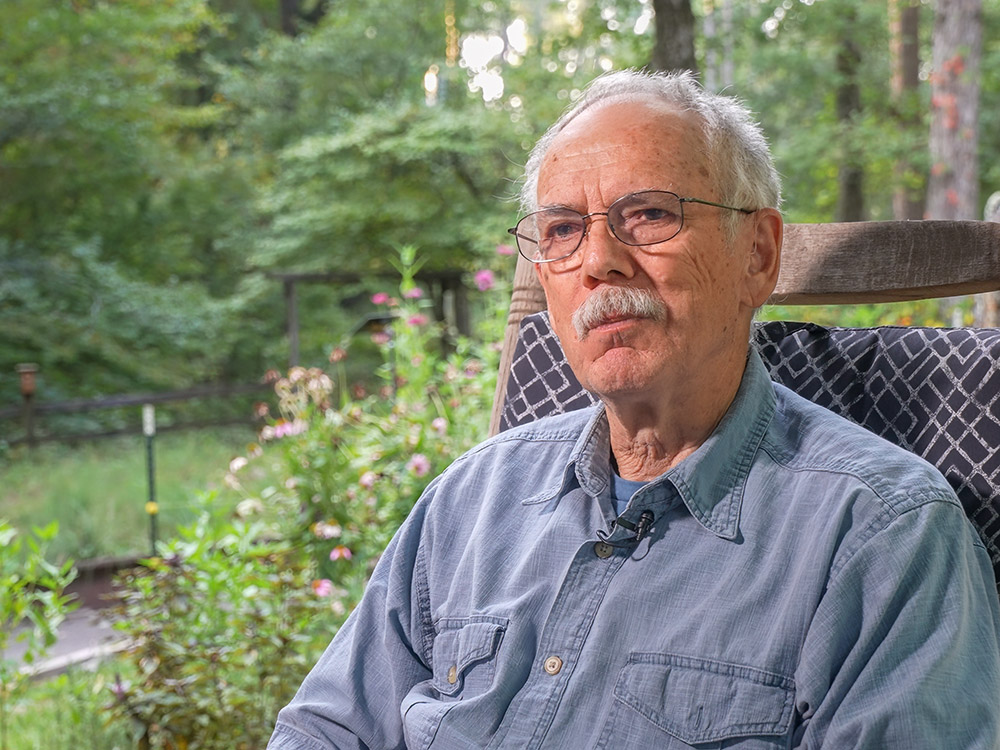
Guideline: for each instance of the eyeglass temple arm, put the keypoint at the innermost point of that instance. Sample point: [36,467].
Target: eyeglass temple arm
[718,205]
[513,231]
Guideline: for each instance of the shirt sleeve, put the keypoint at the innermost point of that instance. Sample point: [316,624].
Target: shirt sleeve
[903,650]
[351,699]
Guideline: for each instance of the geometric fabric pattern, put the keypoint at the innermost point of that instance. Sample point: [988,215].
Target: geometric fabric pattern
[932,391]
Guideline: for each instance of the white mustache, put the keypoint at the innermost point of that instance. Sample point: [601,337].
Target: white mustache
[611,302]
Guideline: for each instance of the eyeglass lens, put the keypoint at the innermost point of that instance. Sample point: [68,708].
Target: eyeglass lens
[644,218]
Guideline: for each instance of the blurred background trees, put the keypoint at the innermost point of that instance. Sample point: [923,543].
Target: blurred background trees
[160,161]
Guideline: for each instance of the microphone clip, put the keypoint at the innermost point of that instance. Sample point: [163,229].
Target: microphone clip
[640,527]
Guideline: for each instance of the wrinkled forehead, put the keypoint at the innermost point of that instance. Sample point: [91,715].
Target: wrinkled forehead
[642,143]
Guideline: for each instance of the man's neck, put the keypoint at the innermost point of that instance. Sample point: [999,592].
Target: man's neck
[651,436]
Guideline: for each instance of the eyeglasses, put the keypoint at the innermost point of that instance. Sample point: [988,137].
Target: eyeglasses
[637,219]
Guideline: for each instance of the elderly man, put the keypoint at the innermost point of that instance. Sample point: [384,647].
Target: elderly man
[705,559]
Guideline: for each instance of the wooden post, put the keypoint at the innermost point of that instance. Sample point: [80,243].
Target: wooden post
[27,371]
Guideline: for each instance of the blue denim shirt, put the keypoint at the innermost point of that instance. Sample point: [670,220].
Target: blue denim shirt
[804,584]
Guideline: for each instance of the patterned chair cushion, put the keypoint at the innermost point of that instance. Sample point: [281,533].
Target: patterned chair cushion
[933,391]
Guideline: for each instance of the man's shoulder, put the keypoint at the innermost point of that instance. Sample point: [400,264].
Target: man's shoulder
[532,454]
[808,437]
[559,430]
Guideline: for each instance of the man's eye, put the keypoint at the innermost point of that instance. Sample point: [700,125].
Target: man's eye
[648,214]
[561,231]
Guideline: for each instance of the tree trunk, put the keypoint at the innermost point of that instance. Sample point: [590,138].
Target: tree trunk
[718,39]
[904,51]
[289,11]
[953,187]
[296,13]
[987,310]
[673,48]
[850,173]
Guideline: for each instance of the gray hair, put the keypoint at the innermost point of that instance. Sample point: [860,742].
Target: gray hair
[739,158]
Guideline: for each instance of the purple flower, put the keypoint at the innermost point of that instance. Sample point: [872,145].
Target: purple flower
[119,688]
[420,465]
[323,587]
[484,280]
[340,552]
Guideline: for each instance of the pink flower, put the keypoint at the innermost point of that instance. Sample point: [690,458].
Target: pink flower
[415,293]
[340,552]
[380,298]
[283,428]
[322,587]
[338,355]
[484,280]
[368,479]
[440,426]
[381,338]
[505,250]
[416,320]
[419,464]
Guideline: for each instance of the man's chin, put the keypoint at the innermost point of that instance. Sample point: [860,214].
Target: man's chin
[618,369]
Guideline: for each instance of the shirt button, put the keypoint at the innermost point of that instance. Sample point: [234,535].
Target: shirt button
[553,664]
[603,550]
[452,675]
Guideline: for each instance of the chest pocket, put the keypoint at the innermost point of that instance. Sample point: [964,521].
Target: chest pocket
[464,654]
[700,702]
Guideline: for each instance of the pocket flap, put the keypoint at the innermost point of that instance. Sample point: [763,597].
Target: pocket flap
[460,644]
[700,700]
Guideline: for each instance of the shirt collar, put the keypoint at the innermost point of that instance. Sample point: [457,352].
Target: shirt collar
[711,480]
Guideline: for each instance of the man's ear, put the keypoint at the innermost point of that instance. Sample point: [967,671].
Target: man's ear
[764,260]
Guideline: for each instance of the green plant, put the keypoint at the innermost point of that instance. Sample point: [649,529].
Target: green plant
[32,605]
[229,618]
[354,469]
[223,626]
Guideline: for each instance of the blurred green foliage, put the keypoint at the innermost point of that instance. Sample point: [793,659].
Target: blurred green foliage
[222,628]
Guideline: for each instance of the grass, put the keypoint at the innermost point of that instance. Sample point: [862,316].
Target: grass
[67,711]
[98,491]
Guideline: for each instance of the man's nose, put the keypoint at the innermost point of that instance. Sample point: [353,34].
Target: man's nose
[604,255]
